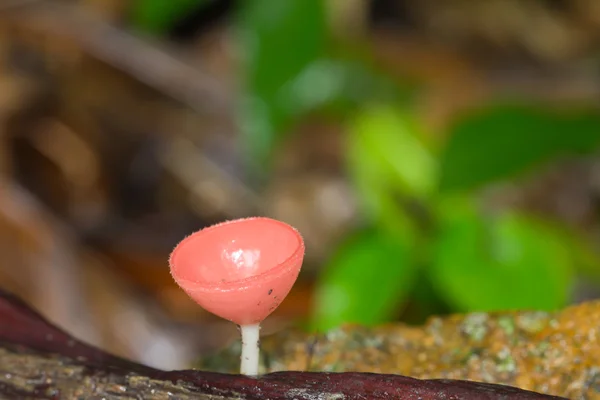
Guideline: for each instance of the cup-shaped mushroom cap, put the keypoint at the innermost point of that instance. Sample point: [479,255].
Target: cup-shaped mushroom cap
[240,270]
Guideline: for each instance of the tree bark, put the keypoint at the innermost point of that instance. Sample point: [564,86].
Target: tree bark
[38,360]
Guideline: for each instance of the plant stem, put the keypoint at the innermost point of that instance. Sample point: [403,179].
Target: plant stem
[250,349]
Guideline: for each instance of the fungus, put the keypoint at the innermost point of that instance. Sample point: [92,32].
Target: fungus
[240,270]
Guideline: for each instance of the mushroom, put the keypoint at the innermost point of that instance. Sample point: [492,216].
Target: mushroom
[240,270]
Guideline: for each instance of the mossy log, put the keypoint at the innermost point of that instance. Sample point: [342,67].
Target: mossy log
[38,360]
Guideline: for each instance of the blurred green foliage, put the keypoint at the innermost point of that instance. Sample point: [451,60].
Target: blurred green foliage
[281,41]
[474,259]
[355,273]
[427,238]
[383,141]
[380,174]
[499,141]
[493,262]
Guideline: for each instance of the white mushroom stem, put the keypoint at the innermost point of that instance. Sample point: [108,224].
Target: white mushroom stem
[250,349]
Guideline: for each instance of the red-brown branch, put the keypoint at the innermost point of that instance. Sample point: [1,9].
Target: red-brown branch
[38,360]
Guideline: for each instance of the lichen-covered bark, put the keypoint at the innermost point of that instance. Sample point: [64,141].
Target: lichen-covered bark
[27,374]
[548,352]
[38,360]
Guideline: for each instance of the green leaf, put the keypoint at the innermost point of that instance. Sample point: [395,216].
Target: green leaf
[387,161]
[280,39]
[503,262]
[365,281]
[157,16]
[389,166]
[498,142]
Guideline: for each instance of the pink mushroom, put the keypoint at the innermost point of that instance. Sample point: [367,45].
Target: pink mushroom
[240,270]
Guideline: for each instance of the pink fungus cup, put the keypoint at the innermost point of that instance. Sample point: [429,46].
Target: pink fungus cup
[240,270]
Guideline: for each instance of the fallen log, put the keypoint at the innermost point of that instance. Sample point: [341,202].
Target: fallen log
[40,361]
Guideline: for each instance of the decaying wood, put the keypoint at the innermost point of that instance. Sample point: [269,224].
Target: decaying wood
[37,360]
